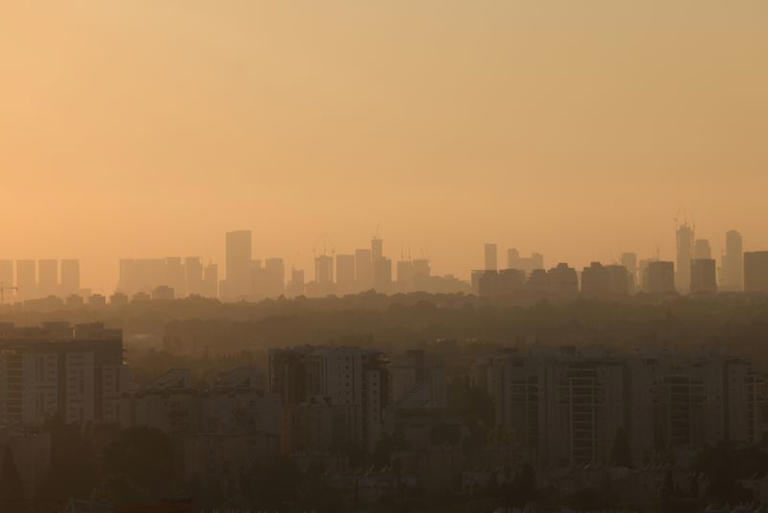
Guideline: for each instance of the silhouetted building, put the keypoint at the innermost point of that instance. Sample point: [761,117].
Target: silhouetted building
[296,285]
[377,249]
[193,267]
[211,281]
[562,281]
[363,269]
[70,277]
[345,274]
[526,264]
[47,278]
[685,238]
[703,276]
[324,272]
[405,276]
[352,381]
[163,293]
[491,262]
[599,281]
[26,279]
[6,279]
[274,277]
[175,277]
[731,273]
[702,250]
[382,275]
[238,271]
[629,261]
[756,271]
[659,278]
[507,283]
[74,373]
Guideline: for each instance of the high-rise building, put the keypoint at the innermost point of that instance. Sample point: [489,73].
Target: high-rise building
[405,275]
[685,238]
[175,276]
[363,269]
[74,373]
[756,271]
[238,259]
[323,270]
[26,279]
[211,281]
[562,281]
[702,250]
[703,276]
[274,277]
[193,268]
[296,284]
[70,277]
[629,261]
[6,279]
[382,275]
[491,262]
[599,281]
[525,264]
[659,278]
[345,274]
[731,272]
[47,278]
[377,249]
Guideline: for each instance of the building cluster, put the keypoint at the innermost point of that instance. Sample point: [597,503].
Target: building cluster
[695,271]
[342,273]
[174,276]
[73,373]
[39,278]
[565,407]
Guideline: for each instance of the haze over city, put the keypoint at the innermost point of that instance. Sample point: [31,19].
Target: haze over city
[147,129]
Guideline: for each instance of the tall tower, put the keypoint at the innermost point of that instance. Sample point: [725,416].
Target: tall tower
[732,267]
[238,271]
[685,238]
[491,263]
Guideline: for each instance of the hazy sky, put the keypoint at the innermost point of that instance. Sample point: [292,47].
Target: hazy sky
[576,128]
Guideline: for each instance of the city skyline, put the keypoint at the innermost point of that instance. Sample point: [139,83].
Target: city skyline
[572,131]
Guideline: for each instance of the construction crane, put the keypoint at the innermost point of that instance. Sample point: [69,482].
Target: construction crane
[3,288]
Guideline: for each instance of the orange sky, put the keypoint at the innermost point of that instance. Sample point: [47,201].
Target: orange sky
[579,129]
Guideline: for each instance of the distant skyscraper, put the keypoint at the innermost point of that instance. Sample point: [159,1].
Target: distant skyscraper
[323,270]
[211,281]
[377,249]
[296,285]
[405,275]
[382,275]
[70,277]
[702,250]
[345,273]
[756,271]
[6,277]
[238,259]
[629,261]
[602,281]
[26,278]
[175,277]
[527,264]
[193,269]
[703,276]
[731,273]
[363,269]
[659,277]
[685,238]
[47,278]
[274,277]
[491,262]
